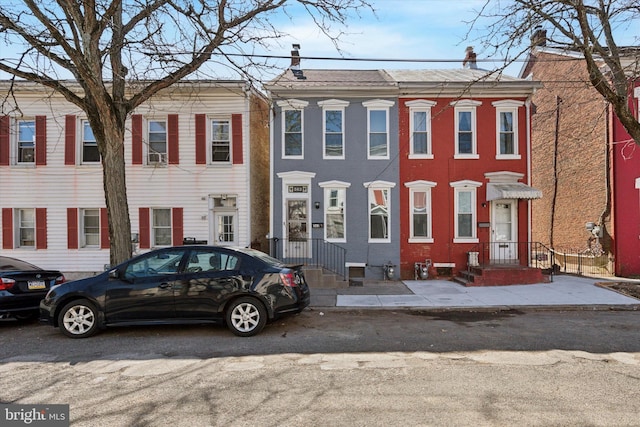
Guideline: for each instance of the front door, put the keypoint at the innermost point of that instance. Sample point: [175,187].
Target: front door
[504,226]
[297,224]
[225,228]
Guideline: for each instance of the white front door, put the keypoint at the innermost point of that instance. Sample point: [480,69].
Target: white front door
[504,231]
[225,232]
[297,229]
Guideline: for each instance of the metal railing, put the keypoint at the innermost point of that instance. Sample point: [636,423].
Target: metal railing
[538,255]
[310,252]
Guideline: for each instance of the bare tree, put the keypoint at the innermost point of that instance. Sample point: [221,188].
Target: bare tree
[121,52]
[587,27]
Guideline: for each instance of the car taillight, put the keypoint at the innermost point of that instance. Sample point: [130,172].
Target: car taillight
[59,280]
[288,279]
[6,284]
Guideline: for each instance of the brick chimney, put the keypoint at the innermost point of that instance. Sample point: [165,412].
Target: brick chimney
[539,37]
[469,59]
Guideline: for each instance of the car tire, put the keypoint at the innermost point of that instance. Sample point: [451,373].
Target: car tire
[78,319]
[246,317]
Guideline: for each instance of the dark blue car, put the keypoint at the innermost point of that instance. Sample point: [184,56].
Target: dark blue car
[242,287]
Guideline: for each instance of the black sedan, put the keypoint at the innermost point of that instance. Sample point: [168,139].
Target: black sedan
[23,286]
[244,288]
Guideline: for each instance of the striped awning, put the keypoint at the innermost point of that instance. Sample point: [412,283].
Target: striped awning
[513,190]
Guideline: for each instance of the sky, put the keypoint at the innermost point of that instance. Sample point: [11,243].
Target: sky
[433,30]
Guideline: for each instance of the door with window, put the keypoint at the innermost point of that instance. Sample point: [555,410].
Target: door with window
[504,234]
[223,220]
[297,229]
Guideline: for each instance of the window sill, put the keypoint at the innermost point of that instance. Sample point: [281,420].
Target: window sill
[292,157]
[466,156]
[422,240]
[508,157]
[466,240]
[379,241]
[421,156]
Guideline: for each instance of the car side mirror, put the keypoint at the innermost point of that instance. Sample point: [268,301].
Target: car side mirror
[114,274]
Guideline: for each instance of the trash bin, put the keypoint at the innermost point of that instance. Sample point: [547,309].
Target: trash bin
[473,259]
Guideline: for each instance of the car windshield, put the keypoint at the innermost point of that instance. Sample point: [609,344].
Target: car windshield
[12,264]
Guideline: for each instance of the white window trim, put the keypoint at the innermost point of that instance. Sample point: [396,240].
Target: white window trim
[15,140]
[327,186]
[209,137]
[508,106]
[379,185]
[471,186]
[153,227]
[415,106]
[422,187]
[146,150]
[288,105]
[332,105]
[375,105]
[81,234]
[17,243]
[461,106]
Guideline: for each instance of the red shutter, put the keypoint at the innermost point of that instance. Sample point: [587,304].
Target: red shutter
[173,140]
[41,228]
[201,139]
[41,140]
[136,139]
[105,243]
[177,226]
[145,231]
[5,138]
[70,140]
[7,228]
[236,130]
[72,228]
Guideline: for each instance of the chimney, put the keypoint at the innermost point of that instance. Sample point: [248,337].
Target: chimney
[469,59]
[539,37]
[295,57]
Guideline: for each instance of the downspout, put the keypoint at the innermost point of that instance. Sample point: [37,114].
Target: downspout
[555,170]
[606,213]
[529,204]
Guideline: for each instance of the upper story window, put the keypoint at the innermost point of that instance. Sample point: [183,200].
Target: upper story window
[420,218]
[378,128]
[507,129]
[465,129]
[335,199]
[333,128]
[157,141]
[89,147]
[26,141]
[292,128]
[420,126]
[465,211]
[220,141]
[161,227]
[379,211]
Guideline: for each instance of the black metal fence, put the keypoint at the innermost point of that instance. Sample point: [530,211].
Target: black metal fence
[311,252]
[538,255]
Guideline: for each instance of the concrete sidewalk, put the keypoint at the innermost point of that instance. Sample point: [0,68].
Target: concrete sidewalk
[564,292]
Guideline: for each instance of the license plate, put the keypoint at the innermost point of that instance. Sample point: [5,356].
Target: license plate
[36,284]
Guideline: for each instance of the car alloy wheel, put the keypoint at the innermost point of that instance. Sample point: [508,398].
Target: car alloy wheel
[78,319]
[246,317]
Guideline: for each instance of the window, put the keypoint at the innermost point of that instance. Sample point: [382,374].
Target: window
[90,152]
[420,211]
[292,128]
[26,228]
[333,127]
[507,129]
[207,260]
[220,141]
[420,125]
[161,227]
[155,264]
[335,197]
[26,141]
[379,211]
[465,134]
[157,137]
[378,128]
[90,226]
[465,211]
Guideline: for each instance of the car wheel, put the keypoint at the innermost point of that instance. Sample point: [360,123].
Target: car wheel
[246,317]
[78,319]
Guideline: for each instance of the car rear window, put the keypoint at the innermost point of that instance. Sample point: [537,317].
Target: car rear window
[11,264]
[262,257]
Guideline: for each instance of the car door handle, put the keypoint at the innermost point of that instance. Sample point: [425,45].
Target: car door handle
[164,286]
